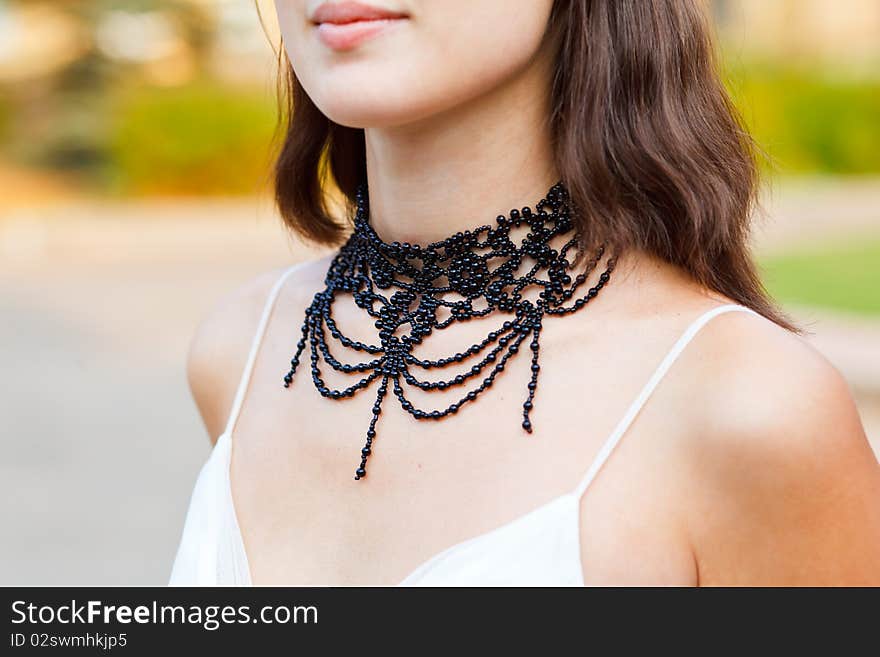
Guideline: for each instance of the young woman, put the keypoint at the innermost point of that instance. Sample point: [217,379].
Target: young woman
[539,352]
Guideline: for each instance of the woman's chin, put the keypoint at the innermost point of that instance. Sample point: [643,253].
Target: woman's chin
[372,109]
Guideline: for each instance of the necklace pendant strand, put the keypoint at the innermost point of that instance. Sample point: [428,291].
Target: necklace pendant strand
[475,273]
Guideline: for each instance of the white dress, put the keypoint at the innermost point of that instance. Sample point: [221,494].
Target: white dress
[539,548]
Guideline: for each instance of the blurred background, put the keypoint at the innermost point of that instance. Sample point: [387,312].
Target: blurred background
[135,144]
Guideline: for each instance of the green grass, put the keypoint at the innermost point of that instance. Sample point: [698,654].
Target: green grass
[844,277]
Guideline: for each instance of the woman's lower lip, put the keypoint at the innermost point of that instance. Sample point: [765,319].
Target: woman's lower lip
[345,36]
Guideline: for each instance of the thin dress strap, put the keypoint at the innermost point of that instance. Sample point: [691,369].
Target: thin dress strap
[649,387]
[255,346]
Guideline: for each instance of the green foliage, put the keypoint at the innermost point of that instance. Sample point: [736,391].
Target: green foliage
[810,121]
[5,118]
[838,276]
[198,139]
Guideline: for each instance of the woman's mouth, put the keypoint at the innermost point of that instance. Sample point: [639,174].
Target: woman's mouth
[345,25]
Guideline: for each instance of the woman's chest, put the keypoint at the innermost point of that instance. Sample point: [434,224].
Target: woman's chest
[433,484]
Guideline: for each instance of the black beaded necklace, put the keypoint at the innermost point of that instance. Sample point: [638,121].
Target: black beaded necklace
[480,274]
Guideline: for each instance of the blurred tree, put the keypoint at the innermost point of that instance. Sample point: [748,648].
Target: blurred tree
[61,118]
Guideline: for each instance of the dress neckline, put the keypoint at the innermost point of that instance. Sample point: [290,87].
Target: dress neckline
[570,497]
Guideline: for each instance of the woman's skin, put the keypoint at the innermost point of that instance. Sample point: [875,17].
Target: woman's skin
[748,465]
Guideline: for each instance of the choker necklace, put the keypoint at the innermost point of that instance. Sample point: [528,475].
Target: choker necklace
[471,274]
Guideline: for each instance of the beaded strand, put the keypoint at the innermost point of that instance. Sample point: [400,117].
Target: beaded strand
[480,264]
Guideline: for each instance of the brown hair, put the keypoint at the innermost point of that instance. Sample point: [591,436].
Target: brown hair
[646,139]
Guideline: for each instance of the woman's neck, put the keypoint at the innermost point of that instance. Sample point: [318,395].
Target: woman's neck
[461,168]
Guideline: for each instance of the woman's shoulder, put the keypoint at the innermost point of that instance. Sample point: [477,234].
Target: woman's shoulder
[766,388]
[219,347]
[751,374]
[784,465]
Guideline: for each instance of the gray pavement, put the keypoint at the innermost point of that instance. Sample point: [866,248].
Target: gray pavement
[99,440]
